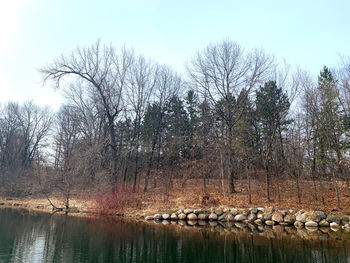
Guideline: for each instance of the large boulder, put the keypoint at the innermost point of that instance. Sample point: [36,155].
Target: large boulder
[180,211]
[321,214]
[323,222]
[313,216]
[269,222]
[253,210]
[244,211]
[301,217]
[289,218]
[202,216]
[182,216]
[213,217]
[234,211]
[267,216]
[157,217]
[219,211]
[192,216]
[251,217]
[311,224]
[165,216]
[188,211]
[333,218]
[334,225]
[240,217]
[298,224]
[277,217]
[230,217]
[258,222]
[173,216]
[222,217]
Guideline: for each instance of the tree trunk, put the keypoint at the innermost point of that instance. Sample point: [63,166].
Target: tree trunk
[298,187]
[267,181]
[231,174]
[249,186]
[222,173]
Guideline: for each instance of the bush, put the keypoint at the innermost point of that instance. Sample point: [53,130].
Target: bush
[116,201]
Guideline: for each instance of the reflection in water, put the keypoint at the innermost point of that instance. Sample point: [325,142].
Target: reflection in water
[35,237]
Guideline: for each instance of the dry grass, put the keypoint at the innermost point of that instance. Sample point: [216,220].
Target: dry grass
[283,195]
[190,193]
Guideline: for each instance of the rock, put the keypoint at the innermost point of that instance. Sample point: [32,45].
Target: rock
[240,217]
[311,224]
[347,226]
[267,216]
[192,216]
[230,217]
[157,217]
[323,222]
[244,211]
[269,222]
[166,216]
[313,216]
[180,211]
[222,217]
[269,210]
[202,217]
[293,212]
[197,211]
[261,209]
[277,217]
[251,217]
[218,211]
[188,211]
[333,218]
[165,222]
[334,225]
[345,220]
[253,210]
[182,216]
[258,222]
[213,217]
[298,224]
[173,216]
[301,218]
[321,214]
[289,218]
[260,215]
[234,211]
[149,217]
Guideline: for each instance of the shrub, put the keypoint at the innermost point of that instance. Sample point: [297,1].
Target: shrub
[116,201]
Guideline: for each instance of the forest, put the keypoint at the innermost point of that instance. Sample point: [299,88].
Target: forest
[235,122]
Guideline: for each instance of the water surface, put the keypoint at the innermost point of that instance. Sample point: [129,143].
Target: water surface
[38,237]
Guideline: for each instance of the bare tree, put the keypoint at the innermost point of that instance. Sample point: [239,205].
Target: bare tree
[168,84]
[104,74]
[141,82]
[221,72]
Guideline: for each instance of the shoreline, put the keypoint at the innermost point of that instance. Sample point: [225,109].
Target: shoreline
[259,216]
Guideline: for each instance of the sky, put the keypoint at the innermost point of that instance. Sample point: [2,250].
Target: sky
[307,34]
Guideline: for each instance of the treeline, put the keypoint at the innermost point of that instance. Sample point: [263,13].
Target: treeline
[129,121]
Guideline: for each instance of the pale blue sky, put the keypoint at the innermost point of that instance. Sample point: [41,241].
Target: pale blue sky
[308,34]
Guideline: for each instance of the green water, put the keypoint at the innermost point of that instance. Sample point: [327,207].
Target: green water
[36,237]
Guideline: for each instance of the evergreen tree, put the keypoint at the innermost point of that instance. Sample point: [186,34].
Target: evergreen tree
[272,107]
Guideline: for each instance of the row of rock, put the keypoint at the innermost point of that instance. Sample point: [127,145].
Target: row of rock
[258,216]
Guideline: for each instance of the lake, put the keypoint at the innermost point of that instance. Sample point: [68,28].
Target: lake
[27,236]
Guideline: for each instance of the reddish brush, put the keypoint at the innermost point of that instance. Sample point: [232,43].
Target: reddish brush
[116,201]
